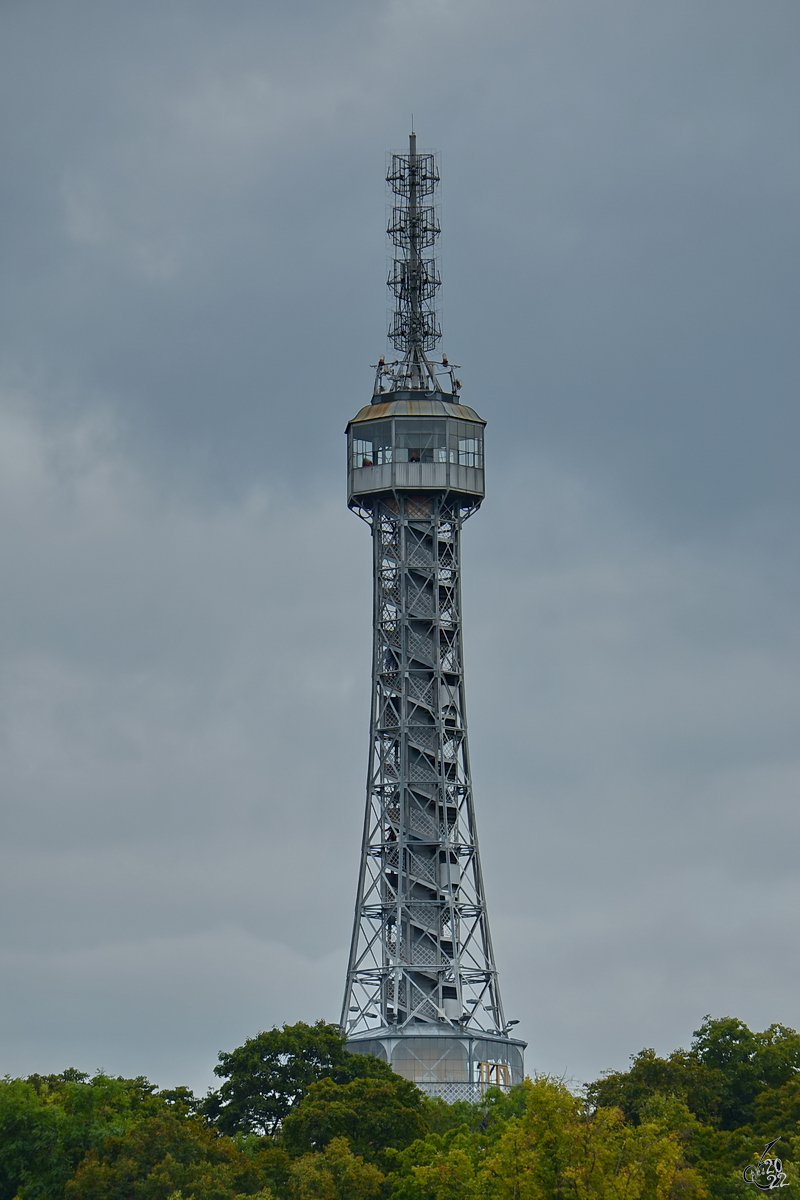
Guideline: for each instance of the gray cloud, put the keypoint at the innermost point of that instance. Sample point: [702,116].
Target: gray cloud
[192,231]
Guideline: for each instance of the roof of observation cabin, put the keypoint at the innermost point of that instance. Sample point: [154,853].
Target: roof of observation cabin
[415,404]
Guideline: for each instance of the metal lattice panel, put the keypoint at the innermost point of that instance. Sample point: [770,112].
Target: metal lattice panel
[421,952]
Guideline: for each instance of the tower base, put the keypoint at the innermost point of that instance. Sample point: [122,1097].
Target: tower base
[455,1065]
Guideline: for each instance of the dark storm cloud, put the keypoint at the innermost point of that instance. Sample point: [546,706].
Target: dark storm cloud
[192,209]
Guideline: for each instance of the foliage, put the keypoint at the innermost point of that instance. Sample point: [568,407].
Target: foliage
[749,1063]
[544,1142]
[68,1136]
[49,1122]
[720,1078]
[335,1174]
[163,1154]
[742,1088]
[298,1118]
[29,1135]
[271,1072]
[374,1114]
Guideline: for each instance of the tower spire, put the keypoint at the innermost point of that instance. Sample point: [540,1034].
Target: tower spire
[414,279]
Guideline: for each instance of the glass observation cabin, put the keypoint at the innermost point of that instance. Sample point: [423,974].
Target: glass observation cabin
[458,1066]
[408,441]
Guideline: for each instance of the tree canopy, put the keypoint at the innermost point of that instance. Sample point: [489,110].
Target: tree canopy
[720,1077]
[374,1114]
[298,1118]
[271,1072]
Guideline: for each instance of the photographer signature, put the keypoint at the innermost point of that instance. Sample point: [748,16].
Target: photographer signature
[767,1173]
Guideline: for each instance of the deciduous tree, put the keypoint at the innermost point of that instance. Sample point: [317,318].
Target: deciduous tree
[374,1114]
[336,1174]
[268,1075]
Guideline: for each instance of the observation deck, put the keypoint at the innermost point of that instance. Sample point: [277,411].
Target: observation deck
[415,441]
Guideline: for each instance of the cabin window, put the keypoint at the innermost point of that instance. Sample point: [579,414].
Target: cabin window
[373,446]
[466,444]
[469,454]
[409,440]
[420,441]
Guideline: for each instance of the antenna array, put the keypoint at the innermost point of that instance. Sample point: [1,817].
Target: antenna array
[413,228]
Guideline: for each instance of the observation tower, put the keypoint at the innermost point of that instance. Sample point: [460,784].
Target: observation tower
[422,990]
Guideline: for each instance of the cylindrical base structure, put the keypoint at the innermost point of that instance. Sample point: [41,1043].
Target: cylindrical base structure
[454,1065]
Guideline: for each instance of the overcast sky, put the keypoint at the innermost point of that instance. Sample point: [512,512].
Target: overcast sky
[192,212]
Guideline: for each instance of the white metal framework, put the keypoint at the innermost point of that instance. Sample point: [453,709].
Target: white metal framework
[422,987]
[422,950]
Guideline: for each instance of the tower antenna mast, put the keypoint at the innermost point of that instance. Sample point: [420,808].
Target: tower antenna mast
[414,278]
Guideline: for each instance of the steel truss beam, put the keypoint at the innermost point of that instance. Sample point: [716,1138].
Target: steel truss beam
[421,952]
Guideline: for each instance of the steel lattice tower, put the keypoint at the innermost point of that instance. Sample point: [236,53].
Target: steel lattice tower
[422,989]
